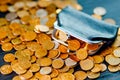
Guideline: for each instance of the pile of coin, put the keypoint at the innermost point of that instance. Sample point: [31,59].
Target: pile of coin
[28,28]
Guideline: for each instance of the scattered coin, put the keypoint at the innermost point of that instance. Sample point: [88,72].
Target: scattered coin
[11,16]
[80,75]
[45,70]
[6,69]
[86,64]
[110,20]
[100,11]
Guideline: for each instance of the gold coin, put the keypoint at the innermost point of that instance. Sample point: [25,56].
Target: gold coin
[62,49]
[25,64]
[98,59]
[7,46]
[55,79]
[16,78]
[64,69]
[3,8]
[116,52]
[67,76]
[17,69]
[71,70]
[42,38]
[22,13]
[113,68]
[112,60]
[80,75]
[92,75]
[54,73]
[45,77]
[86,64]
[3,22]
[41,52]
[44,61]
[34,67]
[33,46]
[97,16]
[96,68]
[27,75]
[3,33]
[16,41]
[27,36]
[81,54]
[9,57]
[33,59]
[53,53]
[43,3]
[57,63]
[48,45]
[103,67]
[6,69]
[64,56]
[73,45]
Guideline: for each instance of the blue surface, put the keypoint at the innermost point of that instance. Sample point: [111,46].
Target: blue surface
[113,9]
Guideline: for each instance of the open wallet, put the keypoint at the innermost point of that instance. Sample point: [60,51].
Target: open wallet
[85,28]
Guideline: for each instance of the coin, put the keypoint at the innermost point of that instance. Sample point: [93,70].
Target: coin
[16,78]
[67,76]
[41,13]
[41,52]
[11,16]
[110,20]
[93,75]
[22,13]
[113,68]
[97,16]
[54,73]
[86,64]
[17,69]
[7,46]
[100,11]
[9,57]
[96,68]
[11,9]
[31,4]
[45,70]
[81,53]
[27,36]
[64,56]
[103,67]
[57,63]
[45,61]
[42,28]
[64,69]
[18,5]
[98,59]
[116,52]
[3,7]
[53,53]
[27,75]
[69,62]
[62,48]
[6,69]
[73,45]
[80,75]
[112,60]
[34,67]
